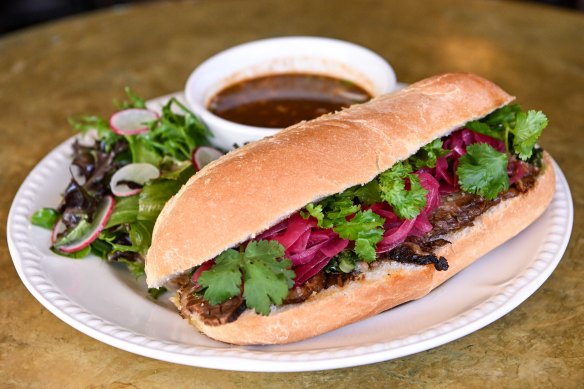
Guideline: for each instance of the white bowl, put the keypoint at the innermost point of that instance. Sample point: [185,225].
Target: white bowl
[313,55]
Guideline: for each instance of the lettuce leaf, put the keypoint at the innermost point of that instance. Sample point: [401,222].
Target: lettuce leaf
[125,211]
[156,193]
[45,217]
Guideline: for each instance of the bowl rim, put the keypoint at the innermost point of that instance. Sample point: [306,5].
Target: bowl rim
[206,115]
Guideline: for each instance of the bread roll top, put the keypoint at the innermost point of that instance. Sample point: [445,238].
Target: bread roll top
[254,187]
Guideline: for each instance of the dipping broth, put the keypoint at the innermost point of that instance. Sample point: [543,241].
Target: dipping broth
[281,100]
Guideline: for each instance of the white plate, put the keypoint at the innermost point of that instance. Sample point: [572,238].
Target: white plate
[106,303]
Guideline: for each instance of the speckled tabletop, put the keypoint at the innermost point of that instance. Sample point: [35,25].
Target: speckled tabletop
[77,66]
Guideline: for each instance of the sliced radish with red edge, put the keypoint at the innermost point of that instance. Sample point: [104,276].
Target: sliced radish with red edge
[138,173]
[104,212]
[203,155]
[57,229]
[132,121]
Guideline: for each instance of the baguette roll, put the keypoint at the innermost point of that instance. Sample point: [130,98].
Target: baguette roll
[256,186]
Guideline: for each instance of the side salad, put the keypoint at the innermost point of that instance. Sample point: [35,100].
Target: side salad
[123,170]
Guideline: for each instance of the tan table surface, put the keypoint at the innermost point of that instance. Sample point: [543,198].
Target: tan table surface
[77,66]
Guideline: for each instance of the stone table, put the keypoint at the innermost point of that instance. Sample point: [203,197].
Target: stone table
[76,66]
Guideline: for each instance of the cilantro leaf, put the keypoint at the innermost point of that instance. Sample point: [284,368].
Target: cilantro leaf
[263,250]
[528,128]
[483,171]
[366,229]
[368,194]
[497,124]
[428,154]
[512,125]
[223,279]
[266,279]
[336,208]
[406,204]
[363,222]
[344,262]
[315,211]
[366,249]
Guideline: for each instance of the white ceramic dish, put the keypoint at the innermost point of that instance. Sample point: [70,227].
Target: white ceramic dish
[106,303]
[313,55]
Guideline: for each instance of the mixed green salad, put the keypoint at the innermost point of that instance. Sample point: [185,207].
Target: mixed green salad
[121,179]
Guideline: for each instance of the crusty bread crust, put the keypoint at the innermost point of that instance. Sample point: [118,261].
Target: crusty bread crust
[390,284]
[255,186]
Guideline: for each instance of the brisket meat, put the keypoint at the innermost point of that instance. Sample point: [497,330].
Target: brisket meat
[213,315]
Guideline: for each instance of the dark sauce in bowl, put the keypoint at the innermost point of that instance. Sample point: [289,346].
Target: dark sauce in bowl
[281,100]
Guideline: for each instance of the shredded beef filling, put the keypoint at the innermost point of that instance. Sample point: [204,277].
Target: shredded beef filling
[214,315]
[456,211]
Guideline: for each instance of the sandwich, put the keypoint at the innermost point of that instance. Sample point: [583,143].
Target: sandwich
[340,218]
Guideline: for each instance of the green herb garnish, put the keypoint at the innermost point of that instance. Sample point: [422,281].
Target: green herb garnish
[406,204]
[483,171]
[261,267]
[366,229]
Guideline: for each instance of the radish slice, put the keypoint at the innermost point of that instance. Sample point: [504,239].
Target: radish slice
[77,174]
[203,155]
[139,173]
[104,212]
[57,229]
[132,121]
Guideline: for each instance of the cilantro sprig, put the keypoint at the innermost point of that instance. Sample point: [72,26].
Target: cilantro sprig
[260,269]
[398,186]
[519,130]
[528,128]
[406,204]
[483,170]
[366,229]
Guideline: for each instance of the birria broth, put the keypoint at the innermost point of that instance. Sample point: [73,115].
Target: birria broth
[281,100]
